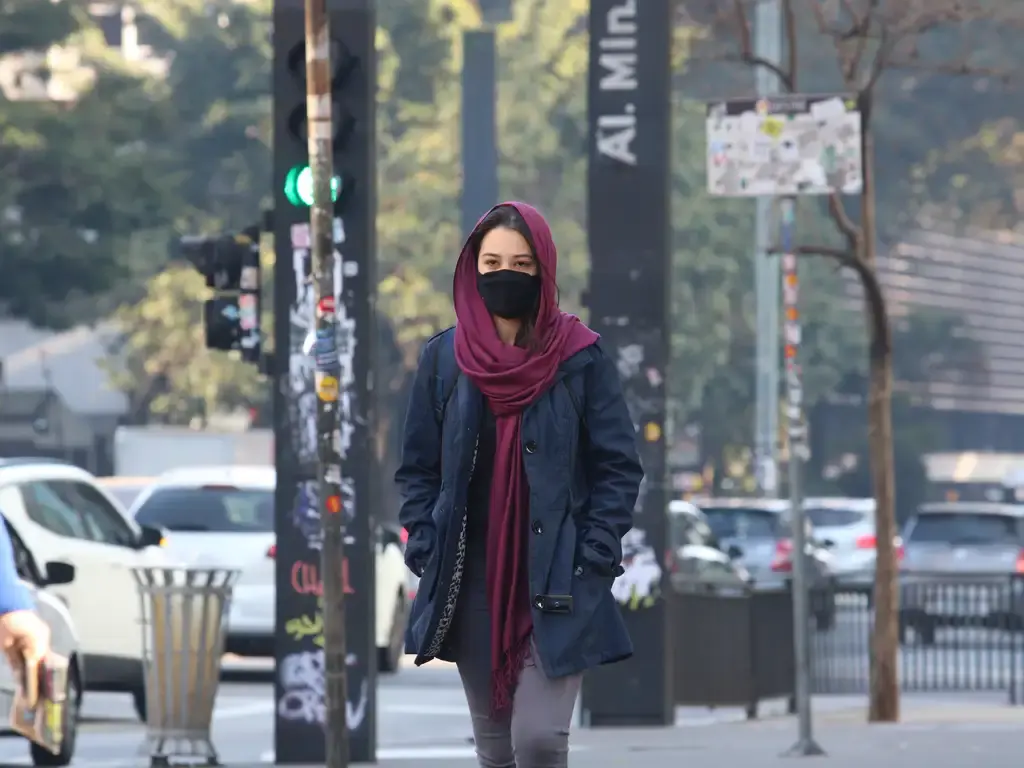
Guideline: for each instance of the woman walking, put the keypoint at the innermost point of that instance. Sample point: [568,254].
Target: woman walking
[519,475]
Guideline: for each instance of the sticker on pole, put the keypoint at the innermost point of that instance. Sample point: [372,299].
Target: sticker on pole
[325,351]
[326,387]
[333,505]
[326,308]
[784,146]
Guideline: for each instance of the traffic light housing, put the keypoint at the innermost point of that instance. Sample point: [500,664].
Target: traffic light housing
[296,181]
[352,35]
[231,266]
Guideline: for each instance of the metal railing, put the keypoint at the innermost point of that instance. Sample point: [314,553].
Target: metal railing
[957,633]
[962,633]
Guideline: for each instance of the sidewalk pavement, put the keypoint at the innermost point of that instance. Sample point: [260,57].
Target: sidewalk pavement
[935,732]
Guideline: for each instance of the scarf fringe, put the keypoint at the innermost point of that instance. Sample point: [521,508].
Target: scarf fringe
[505,679]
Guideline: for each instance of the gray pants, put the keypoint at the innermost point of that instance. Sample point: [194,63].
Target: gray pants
[536,733]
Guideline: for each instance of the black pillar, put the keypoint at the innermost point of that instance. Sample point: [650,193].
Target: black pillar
[479,126]
[299,685]
[628,299]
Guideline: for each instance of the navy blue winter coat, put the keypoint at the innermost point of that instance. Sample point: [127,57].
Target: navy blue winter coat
[584,475]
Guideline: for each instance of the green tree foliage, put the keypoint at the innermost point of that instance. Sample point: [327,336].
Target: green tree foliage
[219,94]
[163,364]
[217,156]
[77,179]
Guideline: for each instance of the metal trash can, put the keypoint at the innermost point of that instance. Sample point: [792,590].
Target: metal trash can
[184,612]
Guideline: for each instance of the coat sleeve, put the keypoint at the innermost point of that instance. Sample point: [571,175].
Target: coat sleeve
[13,594]
[419,474]
[612,464]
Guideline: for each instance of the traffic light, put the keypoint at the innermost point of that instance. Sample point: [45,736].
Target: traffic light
[231,266]
[351,49]
[296,182]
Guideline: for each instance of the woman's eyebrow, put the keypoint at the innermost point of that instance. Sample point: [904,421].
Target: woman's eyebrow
[514,256]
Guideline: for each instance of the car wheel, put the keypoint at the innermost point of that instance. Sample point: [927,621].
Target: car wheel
[390,657]
[139,700]
[69,726]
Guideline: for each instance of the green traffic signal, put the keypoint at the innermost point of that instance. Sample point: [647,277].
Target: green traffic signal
[298,186]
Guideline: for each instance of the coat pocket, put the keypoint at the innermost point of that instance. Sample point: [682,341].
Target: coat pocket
[560,573]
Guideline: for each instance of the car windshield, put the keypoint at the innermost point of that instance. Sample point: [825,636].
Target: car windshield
[963,528]
[744,523]
[833,517]
[209,509]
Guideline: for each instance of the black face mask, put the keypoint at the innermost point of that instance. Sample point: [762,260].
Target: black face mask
[509,293]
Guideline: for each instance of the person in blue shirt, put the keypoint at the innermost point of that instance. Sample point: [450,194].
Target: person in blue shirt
[24,637]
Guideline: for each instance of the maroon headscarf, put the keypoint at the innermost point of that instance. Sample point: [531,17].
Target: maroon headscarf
[512,378]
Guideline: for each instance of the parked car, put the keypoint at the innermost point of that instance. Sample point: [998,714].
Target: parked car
[846,528]
[756,534]
[695,562]
[956,569]
[63,640]
[225,516]
[60,514]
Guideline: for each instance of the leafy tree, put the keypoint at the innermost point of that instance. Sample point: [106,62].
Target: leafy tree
[217,106]
[218,92]
[77,180]
[162,363]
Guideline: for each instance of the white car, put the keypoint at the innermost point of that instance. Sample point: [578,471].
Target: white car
[225,516]
[64,642]
[846,529]
[59,514]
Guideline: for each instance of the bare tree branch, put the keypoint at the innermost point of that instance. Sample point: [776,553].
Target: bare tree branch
[847,228]
[746,44]
[860,30]
[789,25]
[881,61]
[873,296]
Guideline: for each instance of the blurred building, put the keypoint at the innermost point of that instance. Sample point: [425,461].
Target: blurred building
[977,279]
[55,396]
[965,377]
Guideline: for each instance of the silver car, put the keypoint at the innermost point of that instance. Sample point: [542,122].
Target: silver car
[958,568]
[756,535]
[846,528]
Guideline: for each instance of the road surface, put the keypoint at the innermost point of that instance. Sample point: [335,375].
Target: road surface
[423,720]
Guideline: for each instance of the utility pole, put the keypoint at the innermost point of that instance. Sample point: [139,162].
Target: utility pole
[328,367]
[767,46]
[806,746]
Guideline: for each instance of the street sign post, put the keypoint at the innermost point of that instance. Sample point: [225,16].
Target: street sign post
[784,147]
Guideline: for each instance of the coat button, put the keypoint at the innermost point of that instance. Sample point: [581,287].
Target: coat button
[538,528]
[531,447]
[538,601]
[579,570]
